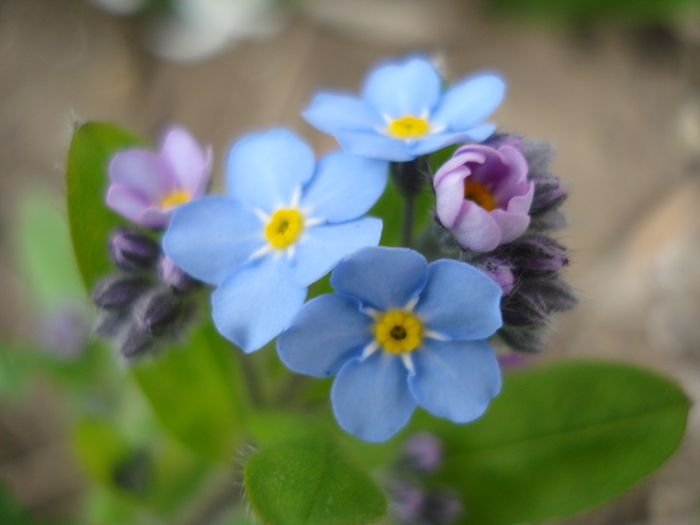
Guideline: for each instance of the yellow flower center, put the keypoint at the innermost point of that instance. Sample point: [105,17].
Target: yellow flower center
[175,198]
[284,228]
[408,128]
[398,331]
[475,192]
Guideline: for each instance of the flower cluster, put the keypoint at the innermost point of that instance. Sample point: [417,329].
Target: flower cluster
[412,500]
[147,301]
[398,332]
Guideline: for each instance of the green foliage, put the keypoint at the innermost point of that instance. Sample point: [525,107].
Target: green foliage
[559,439]
[625,11]
[45,253]
[307,481]
[91,222]
[196,391]
[153,472]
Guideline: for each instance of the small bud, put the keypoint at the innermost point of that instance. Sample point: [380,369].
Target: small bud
[406,502]
[422,452]
[538,254]
[133,341]
[159,311]
[132,251]
[553,293]
[118,291]
[135,472]
[498,270]
[526,340]
[173,276]
[524,309]
[441,508]
[549,195]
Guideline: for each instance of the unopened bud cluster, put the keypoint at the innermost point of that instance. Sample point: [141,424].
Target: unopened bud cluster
[528,268]
[146,301]
[412,500]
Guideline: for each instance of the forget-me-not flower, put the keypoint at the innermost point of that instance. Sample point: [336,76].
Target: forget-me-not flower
[146,187]
[398,333]
[404,112]
[482,196]
[285,223]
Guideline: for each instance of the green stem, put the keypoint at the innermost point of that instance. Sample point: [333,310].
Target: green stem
[408,212]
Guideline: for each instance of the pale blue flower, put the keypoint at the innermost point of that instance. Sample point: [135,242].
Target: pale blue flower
[285,223]
[399,333]
[403,111]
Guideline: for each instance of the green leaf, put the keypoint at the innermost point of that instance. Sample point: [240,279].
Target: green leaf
[91,222]
[45,253]
[196,391]
[309,482]
[559,439]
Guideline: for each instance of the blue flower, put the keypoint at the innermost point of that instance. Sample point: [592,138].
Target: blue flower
[285,223]
[399,333]
[403,112]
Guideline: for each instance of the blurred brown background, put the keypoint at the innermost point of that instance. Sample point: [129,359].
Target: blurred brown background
[620,105]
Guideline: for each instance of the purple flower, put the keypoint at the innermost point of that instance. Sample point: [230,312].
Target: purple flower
[483,196]
[146,187]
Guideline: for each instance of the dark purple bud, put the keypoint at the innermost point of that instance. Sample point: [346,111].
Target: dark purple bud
[441,508]
[173,276]
[498,270]
[133,341]
[109,323]
[118,291]
[524,308]
[135,472]
[422,452]
[132,251]
[527,340]
[406,502]
[159,311]
[549,194]
[504,139]
[538,254]
[553,293]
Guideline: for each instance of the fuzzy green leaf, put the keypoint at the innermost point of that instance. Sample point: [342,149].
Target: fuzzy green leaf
[196,391]
[308,481]
[559,439]
[91,222]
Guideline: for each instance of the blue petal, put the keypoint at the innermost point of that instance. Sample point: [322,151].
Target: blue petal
[332,112]
[328,331]
[264,171]
[371,398]
[323,246]
[455,379]
[209,238]
[344,186]
[374,145]
[460,302]
[481,133]
[469,102]
[256,303]
[411,87]
[435,142]
[381,277]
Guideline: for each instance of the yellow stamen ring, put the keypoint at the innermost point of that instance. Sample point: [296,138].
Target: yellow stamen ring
[477,193]
[408,128]
[398,331]
[175,198]
[284,228]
